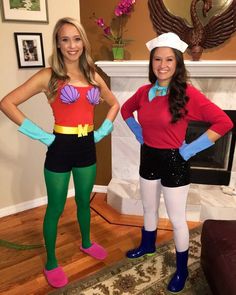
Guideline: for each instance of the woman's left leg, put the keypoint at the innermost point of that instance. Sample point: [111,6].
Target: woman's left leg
[175,201]
[84,179]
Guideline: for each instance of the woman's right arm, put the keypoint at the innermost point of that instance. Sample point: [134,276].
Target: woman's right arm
[9,106]
[36,84]
[127,110]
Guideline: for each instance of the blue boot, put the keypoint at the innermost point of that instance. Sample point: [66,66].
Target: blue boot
[177,282]
[147,246]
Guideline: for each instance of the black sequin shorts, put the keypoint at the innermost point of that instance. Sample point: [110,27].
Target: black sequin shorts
[70,151]
[164,164]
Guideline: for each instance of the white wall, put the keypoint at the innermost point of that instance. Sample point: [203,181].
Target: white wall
[22,159]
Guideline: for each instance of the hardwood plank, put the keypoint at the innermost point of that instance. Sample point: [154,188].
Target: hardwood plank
[21,271]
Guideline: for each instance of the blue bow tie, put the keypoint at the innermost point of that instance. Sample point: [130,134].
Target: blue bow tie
[152,92]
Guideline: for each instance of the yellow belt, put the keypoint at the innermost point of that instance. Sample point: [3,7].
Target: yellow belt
[81,130]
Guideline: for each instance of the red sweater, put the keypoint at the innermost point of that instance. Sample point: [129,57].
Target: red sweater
[154,117]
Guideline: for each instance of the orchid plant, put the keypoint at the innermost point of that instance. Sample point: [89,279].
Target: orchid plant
[115,30]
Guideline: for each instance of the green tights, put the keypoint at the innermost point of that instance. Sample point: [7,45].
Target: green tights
[57,189]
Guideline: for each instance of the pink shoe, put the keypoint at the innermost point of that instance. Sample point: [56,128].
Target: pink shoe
[95,251]
[56,277]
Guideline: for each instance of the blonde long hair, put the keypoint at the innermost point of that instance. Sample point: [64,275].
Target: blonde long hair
[56,61]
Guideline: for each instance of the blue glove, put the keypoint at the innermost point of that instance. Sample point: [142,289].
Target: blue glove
[33,131]
[135,128]
[189,150]
[105,129]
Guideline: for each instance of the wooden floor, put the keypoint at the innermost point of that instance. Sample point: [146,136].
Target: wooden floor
[21,271]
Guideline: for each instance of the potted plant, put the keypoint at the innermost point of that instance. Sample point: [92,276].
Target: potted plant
[115,31]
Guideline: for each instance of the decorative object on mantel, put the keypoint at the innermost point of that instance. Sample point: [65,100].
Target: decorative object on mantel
[218,29]
[118,51]
[115,32]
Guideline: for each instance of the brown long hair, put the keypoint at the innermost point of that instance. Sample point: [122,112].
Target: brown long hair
[56,61]
[177,86]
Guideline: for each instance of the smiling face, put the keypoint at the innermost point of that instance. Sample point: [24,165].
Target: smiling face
[164,65]
[70,43]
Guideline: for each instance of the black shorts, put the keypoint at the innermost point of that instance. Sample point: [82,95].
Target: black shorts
[68,151]
[164,164]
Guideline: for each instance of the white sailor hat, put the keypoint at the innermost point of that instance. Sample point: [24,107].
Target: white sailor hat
[167,40]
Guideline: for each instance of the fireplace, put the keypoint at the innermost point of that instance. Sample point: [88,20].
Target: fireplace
[213,165]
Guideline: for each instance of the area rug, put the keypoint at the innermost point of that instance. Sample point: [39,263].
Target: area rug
[144,276]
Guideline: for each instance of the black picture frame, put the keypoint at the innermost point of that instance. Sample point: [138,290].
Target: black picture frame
[29,50]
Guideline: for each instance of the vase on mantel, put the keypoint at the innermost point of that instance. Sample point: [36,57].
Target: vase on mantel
[118,52]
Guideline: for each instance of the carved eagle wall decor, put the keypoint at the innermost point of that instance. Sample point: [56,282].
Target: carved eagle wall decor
[219,28]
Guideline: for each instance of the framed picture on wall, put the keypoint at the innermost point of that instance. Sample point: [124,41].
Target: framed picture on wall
[25,11]
[29,50]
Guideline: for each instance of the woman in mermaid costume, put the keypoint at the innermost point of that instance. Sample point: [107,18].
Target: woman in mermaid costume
[73,88]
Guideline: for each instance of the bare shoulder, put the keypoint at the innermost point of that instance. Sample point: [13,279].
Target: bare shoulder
[46,72]
[37,83]
[97,77]
[43,76]
[99,80]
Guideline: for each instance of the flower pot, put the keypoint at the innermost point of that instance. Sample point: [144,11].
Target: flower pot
[118,51]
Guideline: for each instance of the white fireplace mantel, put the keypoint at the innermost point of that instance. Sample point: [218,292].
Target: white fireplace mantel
[139,68]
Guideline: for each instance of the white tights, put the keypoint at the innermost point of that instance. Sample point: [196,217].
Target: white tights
[175,201]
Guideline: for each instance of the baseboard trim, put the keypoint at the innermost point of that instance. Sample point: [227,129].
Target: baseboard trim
[41,201]
[100,188]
